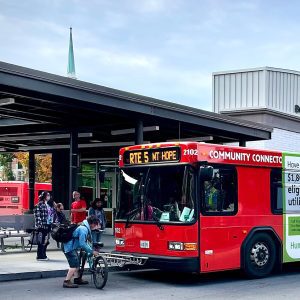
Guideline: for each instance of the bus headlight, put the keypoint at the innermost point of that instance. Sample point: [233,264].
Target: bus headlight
[177,246]
[120,242]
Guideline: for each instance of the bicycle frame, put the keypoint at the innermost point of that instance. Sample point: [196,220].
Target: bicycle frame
[83,258]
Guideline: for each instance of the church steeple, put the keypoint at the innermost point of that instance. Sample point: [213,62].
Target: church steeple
[71,62]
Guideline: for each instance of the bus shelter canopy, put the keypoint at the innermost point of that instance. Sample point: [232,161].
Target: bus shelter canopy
[38,111]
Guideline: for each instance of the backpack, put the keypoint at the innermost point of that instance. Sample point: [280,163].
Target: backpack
[63,233]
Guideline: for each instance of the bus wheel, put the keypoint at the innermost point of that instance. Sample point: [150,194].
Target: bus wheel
[259,256]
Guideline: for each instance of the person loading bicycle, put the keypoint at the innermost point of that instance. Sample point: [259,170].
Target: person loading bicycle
[81,235]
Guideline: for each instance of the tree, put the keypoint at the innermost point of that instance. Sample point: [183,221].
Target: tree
[23,159]
[43,166]
[5,162]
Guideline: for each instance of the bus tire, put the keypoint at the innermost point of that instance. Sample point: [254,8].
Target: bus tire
[259,256]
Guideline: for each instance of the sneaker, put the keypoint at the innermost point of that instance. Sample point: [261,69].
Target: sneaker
[69,284]
[43,259]
[80,281]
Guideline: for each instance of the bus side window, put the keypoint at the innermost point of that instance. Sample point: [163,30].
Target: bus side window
[276,191]
[220,193]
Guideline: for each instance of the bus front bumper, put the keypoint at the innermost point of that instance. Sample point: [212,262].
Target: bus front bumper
[178,264]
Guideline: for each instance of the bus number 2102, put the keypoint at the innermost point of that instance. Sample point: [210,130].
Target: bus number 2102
[190,152]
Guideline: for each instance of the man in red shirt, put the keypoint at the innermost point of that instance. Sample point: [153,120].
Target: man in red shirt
[78,209]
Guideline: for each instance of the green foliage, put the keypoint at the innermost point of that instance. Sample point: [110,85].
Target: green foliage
[5,162]
[43,165]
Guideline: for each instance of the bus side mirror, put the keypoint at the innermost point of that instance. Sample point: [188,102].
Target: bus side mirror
[206,173]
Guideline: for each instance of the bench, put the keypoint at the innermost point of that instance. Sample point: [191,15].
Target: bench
[17,222]
[11,234]
[2,237]
[14,226]
[22,235]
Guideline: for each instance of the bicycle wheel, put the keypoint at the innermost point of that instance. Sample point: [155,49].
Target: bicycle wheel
[100,272]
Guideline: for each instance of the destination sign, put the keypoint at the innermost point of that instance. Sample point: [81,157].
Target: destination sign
[150,156]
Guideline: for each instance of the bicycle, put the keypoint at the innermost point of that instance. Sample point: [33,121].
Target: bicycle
[98,266]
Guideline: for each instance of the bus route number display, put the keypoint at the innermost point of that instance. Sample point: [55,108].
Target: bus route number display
[150,156]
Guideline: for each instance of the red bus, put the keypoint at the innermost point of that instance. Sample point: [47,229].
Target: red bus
[201,207]
[14,196]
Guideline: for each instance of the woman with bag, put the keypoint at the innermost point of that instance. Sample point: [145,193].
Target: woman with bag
[41,225]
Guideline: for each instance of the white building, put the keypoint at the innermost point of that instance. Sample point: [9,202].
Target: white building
[265,95]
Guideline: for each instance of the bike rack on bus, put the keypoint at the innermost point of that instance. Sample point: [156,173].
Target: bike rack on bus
[119,260]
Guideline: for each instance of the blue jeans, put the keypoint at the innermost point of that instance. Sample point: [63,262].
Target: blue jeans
[96,236]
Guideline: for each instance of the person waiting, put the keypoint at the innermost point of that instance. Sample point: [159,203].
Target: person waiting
[96,209]
[41,225]
[78,208]
[59,216]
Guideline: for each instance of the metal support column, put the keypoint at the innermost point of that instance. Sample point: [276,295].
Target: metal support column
[242,143]
[139,132]
[73,184]
[31,173]
[60,176]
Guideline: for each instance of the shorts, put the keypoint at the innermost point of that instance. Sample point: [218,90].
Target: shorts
[73,259]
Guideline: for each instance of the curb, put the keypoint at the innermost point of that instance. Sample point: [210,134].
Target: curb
[48,250]
[8,252]
[55,273]
[32,275]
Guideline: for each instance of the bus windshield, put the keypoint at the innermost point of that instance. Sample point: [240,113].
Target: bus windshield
[164,194]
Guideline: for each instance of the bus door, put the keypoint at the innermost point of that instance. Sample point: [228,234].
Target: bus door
[219,248]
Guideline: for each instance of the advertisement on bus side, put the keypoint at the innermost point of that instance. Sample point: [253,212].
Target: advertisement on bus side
[291,207]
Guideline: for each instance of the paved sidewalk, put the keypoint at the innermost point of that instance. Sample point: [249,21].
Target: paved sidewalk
[19,266]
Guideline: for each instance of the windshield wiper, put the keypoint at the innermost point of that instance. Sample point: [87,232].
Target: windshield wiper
[131,214]
[159,225]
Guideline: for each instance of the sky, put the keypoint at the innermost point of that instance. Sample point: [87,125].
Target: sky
[166,49]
